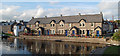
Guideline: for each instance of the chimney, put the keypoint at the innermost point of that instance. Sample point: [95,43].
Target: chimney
[10,21]
[101,13]
[32,17]
[80,14]
[6,21]
[21,21]
[61,15]
[45,17]
[14,20]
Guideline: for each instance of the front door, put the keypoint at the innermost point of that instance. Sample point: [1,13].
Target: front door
[87,32]
[98,33]
[39,32]
[48,32]
[65,32]
[73,32]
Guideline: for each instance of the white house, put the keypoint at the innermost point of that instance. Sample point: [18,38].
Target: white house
[18,28]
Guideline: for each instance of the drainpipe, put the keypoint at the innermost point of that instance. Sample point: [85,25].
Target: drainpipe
[93,28]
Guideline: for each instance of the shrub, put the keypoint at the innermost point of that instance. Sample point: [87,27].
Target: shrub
[116,36]
[8,34]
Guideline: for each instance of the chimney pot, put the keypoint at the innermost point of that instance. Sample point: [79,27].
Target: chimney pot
[61,15]
[100,13]
[14,20]
[79,13]
[45,17]
[32,17]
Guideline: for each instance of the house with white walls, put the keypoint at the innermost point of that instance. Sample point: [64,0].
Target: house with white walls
[18,28]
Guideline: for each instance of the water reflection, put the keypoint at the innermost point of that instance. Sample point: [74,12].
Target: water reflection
[48,47]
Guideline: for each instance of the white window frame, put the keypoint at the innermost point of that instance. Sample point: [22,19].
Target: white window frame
[69,24]
[93,24]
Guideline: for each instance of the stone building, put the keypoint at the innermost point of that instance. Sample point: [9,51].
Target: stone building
[7,26]
[68,25]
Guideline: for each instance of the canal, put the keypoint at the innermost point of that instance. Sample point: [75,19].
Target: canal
[21,46]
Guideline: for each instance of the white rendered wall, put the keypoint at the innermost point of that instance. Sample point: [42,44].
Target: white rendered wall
[16,30]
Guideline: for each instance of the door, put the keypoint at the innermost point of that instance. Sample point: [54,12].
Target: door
[73,32]
[87,32]
[39,32]
[65,32]
[48,32]
[98,33]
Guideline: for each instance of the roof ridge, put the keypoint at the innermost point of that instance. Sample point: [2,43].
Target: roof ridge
[69,16]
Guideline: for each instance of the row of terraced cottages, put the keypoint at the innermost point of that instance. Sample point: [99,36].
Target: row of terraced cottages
[68,25]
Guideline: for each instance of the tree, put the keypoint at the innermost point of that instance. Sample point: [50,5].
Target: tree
[117,21]
[116,36]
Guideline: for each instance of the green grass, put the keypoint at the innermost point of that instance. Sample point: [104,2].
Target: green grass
[112,51]
[8,34]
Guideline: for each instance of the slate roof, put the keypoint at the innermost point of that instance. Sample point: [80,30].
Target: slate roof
[67,19]
[25,23]
[18,24]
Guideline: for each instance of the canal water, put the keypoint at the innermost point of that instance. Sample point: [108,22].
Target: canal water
[20,46]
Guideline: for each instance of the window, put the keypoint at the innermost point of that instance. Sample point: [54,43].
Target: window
[4,24]
[80,24]
[53,31]
[80,32]
[91,24]
[59,31]
[53,25]
[62,31]
[83,31]
[83,24]
[70,25]
[8,23]
[61,25]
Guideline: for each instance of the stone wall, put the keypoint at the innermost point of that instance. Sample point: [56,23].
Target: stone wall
[6,28]
[72,39]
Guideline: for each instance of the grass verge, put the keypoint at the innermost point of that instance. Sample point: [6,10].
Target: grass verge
[112,51]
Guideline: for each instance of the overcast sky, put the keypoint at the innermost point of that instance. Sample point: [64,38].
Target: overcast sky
[25,10]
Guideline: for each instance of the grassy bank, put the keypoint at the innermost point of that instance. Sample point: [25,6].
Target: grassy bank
[112,51]
[7,34]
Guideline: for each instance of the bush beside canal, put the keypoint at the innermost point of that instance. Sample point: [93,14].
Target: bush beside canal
[116,36]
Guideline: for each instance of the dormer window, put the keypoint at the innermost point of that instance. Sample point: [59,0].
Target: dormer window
[8,23]
[83,24]
[53,25]
[80,24]
[61,25]
[61,22]
[83,31]
[37,23]
[91,24]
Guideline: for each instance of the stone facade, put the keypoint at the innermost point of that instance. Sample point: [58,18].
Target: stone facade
[82,25]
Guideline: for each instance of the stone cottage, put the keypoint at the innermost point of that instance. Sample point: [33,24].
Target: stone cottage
[91,24]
